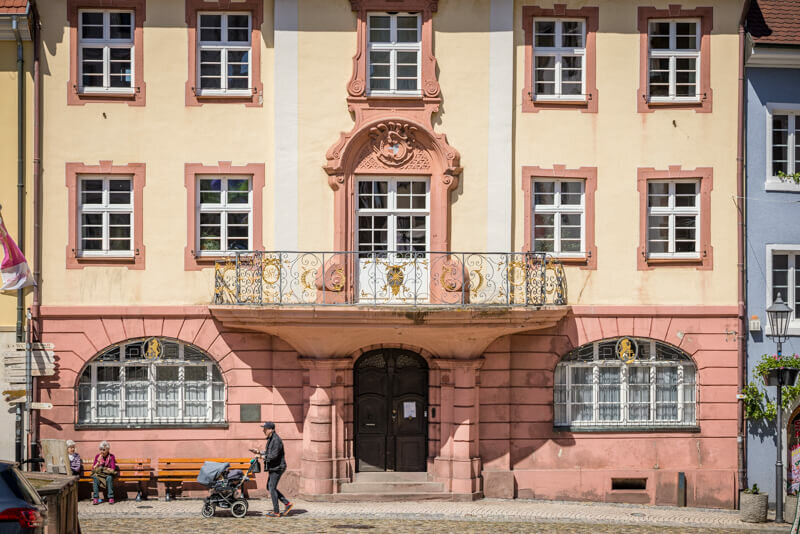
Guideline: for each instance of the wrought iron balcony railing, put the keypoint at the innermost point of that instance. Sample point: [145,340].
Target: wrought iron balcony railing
[387,278]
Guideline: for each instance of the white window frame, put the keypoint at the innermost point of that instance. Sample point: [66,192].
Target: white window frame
[152,417]
[673,53]
[557,209]
[673,211]
[106,209]
[224,46]
[793,275]
[393,47]
[223,208]
[559,52]
[773,181]
[392,211]
[106,43]
[624,422]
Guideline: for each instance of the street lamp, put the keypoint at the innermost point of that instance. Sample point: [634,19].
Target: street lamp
[778,315]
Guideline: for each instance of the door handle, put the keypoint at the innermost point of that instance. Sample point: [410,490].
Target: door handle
[394,415]
[369,424]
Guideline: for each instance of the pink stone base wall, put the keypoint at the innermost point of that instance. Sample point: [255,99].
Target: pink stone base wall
[493,427]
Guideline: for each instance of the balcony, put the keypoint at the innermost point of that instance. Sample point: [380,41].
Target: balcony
[394,279]
[332,304]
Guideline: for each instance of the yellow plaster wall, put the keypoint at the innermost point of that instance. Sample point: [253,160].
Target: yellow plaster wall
[165,134]
[618,140]
[9,159]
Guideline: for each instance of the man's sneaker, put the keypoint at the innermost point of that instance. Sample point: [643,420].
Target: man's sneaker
[97,501]
[111,501]
[288,507]
[272,514]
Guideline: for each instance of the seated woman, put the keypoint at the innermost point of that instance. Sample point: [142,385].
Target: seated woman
[74,458]
[104,469]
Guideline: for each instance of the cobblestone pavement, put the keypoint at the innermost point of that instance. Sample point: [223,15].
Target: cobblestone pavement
[485,516]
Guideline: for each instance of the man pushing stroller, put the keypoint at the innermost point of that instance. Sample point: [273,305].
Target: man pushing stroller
[275,464]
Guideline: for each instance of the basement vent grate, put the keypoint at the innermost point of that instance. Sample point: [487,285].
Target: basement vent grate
[628,483]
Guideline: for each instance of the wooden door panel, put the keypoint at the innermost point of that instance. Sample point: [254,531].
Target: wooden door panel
[371,452]
[410,453]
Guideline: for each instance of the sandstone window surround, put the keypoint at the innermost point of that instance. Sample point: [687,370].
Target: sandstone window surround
[664,201]
[586,256]
[231,49]
[669,50]
[199,183]
[369,13]
[560,57]
[106,46]
[78,177]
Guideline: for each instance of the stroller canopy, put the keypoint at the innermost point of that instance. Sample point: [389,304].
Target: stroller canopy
[210,471]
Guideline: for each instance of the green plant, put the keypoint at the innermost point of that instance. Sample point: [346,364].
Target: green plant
[756,405]
[752,490]
[795,177]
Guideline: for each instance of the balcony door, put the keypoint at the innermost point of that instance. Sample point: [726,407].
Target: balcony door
[392,238]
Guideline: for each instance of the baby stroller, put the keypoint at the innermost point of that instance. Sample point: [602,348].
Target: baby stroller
[225,487]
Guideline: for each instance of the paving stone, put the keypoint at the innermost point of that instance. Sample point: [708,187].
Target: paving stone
[485,516]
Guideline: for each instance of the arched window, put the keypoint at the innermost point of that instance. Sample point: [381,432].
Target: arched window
[152,381]
[625,383]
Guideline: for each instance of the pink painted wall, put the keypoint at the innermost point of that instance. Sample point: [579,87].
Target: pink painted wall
[256,369]
[516,414]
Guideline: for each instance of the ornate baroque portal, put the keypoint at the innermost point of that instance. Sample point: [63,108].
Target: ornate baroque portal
[393,135]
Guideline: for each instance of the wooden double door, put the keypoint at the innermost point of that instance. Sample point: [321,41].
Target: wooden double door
[391,411]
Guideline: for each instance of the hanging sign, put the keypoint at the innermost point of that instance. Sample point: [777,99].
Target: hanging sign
[627,349]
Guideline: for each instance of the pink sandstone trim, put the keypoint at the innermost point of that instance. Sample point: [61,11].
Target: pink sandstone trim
[589,176]
[706,16]
[192,262]
[256,8]
[137,98]
[705,261]
[592,17]
[55,312]
[137,172]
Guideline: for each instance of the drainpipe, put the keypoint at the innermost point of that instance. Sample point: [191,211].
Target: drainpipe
[20,167]
[741,192]
[37,209]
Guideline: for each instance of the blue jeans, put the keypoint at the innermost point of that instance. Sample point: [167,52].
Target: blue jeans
[109,487]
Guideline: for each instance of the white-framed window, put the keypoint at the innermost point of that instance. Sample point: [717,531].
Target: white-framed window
[673,72]
[595,388]
[225,205]
[105,216]
[131,383]
[783,276]
[393,214]
[559,59]
[106,51]
[394,44]
[673,218]
[783,148]
[559,217]
[224,54]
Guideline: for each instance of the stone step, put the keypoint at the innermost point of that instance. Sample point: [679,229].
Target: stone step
[391,476]
[391,497]
[393,487]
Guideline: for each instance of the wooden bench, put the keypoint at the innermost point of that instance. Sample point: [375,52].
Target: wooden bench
[130,470]
[175,471]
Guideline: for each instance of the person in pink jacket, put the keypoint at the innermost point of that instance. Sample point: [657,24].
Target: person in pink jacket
[104,469]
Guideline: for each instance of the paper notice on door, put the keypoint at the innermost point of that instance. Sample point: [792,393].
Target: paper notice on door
[409,410]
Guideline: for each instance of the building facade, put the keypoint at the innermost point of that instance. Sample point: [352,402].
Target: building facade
[772,106]
[487,241]
[16,191]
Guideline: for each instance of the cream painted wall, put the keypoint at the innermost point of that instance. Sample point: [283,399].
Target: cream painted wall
[8,160]
[166,134]
[617,140]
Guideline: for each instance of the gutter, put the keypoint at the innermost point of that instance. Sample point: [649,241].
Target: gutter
[20,166]
[741,216]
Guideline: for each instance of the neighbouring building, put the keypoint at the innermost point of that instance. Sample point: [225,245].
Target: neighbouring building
[16,147]
[773,237]
[489,242]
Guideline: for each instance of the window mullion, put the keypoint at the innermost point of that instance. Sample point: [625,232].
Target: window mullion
[568,382]
[653,398]
[623,395]
[123,387]
[93,394]
[595,394]
[209,394]
[791,153]
[680,393]
[181,393]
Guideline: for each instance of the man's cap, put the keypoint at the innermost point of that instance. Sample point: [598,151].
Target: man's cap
[268,424]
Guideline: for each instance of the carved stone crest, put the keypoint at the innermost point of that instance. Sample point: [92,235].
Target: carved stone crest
[394,143]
